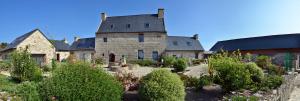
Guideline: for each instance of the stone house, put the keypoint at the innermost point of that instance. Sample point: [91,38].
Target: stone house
[40,47]
[141,37]
[284,49]
[83,49]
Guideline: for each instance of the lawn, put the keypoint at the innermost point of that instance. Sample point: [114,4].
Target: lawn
[7,84]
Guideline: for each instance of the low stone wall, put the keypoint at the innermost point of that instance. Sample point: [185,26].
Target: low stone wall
[283,92]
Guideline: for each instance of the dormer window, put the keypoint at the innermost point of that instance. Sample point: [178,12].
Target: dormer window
[189,43]
[111,26]
[147,25]
[128,25]
[175,43]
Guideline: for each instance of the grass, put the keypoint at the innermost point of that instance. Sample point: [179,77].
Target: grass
[7,84]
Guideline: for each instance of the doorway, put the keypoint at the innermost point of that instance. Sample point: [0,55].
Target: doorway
[112,57]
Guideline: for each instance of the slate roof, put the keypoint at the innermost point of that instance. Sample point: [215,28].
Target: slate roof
[20,39]
[262,42]
[183,43]
[60,45]
[137,23]
[84,44]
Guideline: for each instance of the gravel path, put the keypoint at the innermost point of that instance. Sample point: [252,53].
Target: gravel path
[295,96]
[196,71]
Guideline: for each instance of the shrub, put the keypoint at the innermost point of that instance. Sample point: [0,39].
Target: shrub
[198,61]
[53,64]
[4,65]
[144,62]
[230,72]
[256,73]
[79,81]
[263,61]
[99,61]
[129,81]
[161,85]
[71,58]
[23,67]
[28,91]
[275,70]
[46,68]
[180,64]
[244,98]
[168,61]
[272,81]
[189,81]
[204,80]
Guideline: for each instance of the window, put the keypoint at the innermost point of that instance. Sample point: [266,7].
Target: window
[141,37]
[57,57]
[111,26]
[140,54]
[102,54]
[189,43]
[127,25]
[196,55]
[147,25]
[104,39]
[155,55]
[175,43]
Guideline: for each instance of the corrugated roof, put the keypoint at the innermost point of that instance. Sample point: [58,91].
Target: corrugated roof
[137,23]
[183,43]
[60,45]
[84,44]
[263,42]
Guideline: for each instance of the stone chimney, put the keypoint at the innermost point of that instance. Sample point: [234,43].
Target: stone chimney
[160,13]
[196,36]
[103,17]
[65,40]
[76,38]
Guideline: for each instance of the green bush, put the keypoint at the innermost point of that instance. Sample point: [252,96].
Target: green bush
[53,64]
[275,70]
[256,72]
[204,80]
[230,72]
[198,61]
[263,61]
[161,85]
[46,68]
[28,91]
[79,81]
[23,67]
[99,61]
[180,64]
[244,98]
[168,61]
[145,62]
[272,81]
[189,81]
[4,65]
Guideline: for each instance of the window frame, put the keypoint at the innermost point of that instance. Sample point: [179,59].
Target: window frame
[141,55]
[141,37]
[146,25]
[105,39]
[128,26]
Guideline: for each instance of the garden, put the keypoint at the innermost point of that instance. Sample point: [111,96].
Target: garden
[239,78]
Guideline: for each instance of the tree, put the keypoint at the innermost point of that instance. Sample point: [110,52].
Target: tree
[3,45]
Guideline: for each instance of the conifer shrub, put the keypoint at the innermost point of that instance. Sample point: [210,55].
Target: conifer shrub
[168,61]
[180,64]
[161,85]
[79,81]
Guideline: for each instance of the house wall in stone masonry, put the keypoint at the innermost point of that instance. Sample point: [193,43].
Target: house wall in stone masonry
[38,44]
[84,55]
[63,55]
[128,44]
[185,54]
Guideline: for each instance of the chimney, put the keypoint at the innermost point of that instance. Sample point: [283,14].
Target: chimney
[160,13]
[76,39]
[196,37]
[65,40]
[103,17]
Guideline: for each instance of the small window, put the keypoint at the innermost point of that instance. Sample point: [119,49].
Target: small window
[147,25]
[111,26]
[128,26]
[175,43]
[104,39]
[141,37]
[102,54]
[189,43]
[155,55]
[140,54]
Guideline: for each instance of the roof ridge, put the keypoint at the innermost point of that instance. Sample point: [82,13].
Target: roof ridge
[130,15]
[263,36]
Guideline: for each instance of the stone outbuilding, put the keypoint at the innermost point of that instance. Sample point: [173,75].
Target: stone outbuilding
[83,48]
[62,49]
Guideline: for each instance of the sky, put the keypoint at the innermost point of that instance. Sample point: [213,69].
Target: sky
[213,20]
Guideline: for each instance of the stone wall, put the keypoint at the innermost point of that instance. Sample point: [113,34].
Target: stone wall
[284,91]
[185,54]
[84,55]
[127,44]
[63,55]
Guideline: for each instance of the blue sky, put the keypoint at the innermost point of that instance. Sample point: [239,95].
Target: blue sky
[213,20]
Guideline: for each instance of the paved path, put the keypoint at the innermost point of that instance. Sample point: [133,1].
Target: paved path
[295,96]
